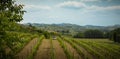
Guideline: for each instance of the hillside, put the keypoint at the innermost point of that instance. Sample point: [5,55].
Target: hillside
[71,28]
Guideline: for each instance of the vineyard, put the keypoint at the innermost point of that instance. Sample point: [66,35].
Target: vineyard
[24,38]
[37,47]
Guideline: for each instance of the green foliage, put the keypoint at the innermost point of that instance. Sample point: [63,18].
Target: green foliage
[15,42]
[47,35]
[18,40]
[79,35]
[115,35]
[10,14]
[93,34]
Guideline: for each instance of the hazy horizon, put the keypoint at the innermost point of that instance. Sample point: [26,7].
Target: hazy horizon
[80,12]
[70,23]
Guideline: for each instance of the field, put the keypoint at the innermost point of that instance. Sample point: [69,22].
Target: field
[59,29]
[69,48]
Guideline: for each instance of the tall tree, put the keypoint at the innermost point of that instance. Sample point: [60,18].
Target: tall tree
[115,35]
[79,35]
[10,14]
[93,34]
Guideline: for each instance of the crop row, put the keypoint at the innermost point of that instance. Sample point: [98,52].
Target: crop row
[52,55]
[89,49]
[68,54]
[114,54]
[17,40]
[76,48]
[35,48]
[100,49]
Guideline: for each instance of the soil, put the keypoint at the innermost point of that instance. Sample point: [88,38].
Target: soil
[43,50]
[59,53]
[73,51]
[85,52]
[24,53]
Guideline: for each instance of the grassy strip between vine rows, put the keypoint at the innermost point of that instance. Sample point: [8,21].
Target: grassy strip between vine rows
[108,54]
[68,54]
[89,49]
[114,54]
[52,55]
[77,49]
[35,48]
[23,44]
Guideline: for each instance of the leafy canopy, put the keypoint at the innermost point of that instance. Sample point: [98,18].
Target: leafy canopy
[10,14]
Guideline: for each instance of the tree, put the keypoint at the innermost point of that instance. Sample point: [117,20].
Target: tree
[10,14]
[79,35]
[115,35]
[106,34]
[46,34]
[93,34]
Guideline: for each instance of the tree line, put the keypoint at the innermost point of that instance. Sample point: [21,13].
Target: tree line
[112,35]
[91,34]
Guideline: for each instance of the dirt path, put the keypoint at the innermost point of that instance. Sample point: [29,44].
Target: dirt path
[59,53]
[44,50]
[26,50]
[73,51]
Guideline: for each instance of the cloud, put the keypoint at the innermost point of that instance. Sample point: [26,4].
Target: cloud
[53,17]
[95,8]
[100,8]
[72,4]
[81,5]
[109,0]
[90,0]
[38,7]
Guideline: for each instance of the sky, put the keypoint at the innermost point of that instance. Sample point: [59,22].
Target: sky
[80,12]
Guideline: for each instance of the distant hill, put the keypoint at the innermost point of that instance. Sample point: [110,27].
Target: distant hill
[71,28]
